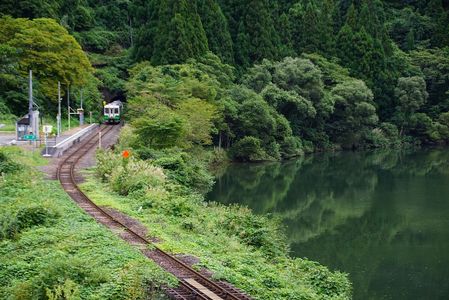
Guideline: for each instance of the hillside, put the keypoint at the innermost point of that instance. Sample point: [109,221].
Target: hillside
[398,49]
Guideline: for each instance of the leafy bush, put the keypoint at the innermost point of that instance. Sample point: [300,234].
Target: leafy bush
[106,162]
[291,147]
[4,110]
[136,175]
[185,169]
[7,165]
[386,135]
[256,231]
[249,148]
[26,217]
[96,39]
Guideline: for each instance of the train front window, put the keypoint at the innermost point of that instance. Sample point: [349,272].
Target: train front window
[106,111]
[116,111]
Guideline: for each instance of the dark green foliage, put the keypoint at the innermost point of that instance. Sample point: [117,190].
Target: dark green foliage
[249,148]
[354,113]
[312,26]
[111,78]
[252,30]
[31,8]
[257,128]
[253,231]
[435,67]
[172,33]
[7,165]
[362,39]
[183,168]
[216,28]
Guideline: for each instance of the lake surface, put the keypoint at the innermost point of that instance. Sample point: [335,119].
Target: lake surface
[382,217]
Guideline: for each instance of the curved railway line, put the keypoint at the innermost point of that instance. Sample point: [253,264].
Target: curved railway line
[193,285]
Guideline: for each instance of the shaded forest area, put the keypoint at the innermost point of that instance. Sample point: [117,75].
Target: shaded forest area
[265,79]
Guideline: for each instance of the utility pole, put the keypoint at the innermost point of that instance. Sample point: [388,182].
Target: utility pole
[81,110]
[81,93]
[68,104]
[30,102]
[58,118]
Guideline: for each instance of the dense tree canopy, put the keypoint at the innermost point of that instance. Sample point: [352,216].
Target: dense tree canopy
[45,47]
[306,72]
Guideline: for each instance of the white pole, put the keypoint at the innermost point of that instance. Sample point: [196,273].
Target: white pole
[58,118]
[30,102]
[99,140]
[68,104]
[81,98]
[46,146]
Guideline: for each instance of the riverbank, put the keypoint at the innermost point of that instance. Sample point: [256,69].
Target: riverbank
[380,216]
[247,250]
[49,248]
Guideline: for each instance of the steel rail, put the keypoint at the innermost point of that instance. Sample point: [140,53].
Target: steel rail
[203,280]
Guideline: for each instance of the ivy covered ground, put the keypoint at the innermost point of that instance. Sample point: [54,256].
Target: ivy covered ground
[50,249]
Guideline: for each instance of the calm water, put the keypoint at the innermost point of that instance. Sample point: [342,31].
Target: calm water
[382,217]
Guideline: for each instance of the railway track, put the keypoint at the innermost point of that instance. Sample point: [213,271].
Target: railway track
[193,284]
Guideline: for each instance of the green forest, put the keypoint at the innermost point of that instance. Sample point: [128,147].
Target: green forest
[204,82]
[266,80]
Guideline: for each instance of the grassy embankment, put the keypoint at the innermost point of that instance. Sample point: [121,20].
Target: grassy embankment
[50,249]
[247,250]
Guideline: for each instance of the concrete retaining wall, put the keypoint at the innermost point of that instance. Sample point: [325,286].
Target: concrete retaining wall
[59,149]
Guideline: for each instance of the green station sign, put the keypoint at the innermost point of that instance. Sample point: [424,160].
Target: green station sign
[29,137]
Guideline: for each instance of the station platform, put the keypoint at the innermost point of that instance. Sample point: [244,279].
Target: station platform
[56,145]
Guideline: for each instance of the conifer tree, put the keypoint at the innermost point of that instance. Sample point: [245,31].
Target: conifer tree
[252,30]
[327,27]
[176,33]
[216,27]
[440,36]
[344,45]
[285,36]
[351,17]
[313,26]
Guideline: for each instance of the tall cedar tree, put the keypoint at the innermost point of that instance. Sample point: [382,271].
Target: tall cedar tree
[175,32]
[313,26]
[216,27]
[252,30]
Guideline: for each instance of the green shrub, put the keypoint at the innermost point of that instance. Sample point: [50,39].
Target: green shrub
[136,175]
[96,39]
[249,148]
[257,231]
[291,147]
[26,217]
[273,150]
[69,290]
[107,161]
[185,169]
[7,165]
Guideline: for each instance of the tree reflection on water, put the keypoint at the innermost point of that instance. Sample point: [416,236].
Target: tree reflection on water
[380,216]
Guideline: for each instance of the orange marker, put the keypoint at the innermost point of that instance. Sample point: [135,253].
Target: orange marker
[126,154]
